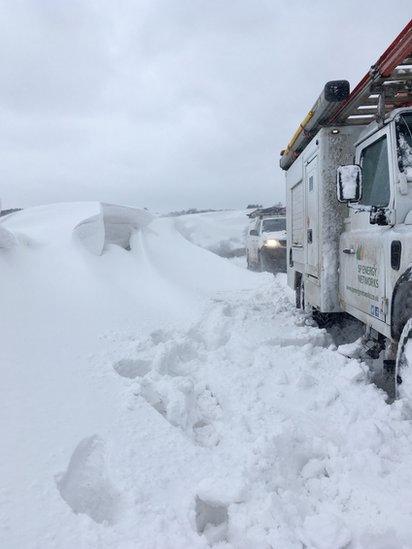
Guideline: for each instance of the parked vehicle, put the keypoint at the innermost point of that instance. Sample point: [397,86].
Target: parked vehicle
[266,242]
[349,207]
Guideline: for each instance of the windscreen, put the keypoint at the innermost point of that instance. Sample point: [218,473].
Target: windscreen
[273,225]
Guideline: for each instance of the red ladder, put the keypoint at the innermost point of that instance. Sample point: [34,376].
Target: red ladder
[390,77]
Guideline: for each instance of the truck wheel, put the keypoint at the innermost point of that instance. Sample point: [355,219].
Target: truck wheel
[261,263]
[323,320]
[403,370]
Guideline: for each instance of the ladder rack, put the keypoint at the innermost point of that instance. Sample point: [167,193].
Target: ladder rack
[387,86]
[389,80]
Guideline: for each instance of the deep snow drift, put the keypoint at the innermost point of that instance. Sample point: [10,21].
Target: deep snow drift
[223,233]
[157,396]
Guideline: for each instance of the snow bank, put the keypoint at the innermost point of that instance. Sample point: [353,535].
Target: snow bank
[62,309]
[223,233]
[7,239]
[112,225]
[160,396]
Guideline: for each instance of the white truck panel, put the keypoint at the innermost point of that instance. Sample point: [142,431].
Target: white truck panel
[315,218]
[311,217]
[297,214]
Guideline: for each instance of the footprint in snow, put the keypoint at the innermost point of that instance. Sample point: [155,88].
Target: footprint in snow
[205,434]
[132,367]
[176,401]
[172,357]
[85,485]
[161,353]
[160,336]
[211,520]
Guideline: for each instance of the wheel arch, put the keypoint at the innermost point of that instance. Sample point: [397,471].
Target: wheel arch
[399,307]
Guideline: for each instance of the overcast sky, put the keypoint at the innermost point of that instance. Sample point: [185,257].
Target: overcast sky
[169,103]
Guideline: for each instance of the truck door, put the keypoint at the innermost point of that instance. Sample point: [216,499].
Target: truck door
[362,260]
[311,237]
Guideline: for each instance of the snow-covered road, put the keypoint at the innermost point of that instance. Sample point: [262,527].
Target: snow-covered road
[164,397]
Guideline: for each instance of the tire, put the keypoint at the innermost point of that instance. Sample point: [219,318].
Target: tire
[279,267]
[402,308]
[263,264]
[323,320]
[403,369]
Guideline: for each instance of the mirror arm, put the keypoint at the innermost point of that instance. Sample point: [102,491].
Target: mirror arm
[359,209]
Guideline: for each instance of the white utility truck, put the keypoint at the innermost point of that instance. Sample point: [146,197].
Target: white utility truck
[266,240]
[349,206]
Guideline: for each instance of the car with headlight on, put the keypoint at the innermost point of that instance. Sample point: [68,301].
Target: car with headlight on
[266,244]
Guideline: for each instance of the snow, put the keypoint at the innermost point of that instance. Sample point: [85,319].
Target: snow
[111,225]
[223,233]
[7,239]
[353,349]
[348,176]
[405,155]
[159,396]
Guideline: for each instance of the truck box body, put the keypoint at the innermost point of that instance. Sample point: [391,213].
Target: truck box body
[314,217]
[349,209]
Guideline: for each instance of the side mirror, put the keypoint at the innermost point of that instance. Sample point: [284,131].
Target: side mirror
[349,183]
[254,232]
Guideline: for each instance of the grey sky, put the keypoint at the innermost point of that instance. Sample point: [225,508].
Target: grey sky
[169,103]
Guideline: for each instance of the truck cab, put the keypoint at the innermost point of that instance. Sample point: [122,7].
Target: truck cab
[375,250]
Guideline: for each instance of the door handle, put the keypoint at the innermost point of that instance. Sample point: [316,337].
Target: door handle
[349,251]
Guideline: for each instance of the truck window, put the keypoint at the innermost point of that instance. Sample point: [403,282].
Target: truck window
[375,174]
[404,138]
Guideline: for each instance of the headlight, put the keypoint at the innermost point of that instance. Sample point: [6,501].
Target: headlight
[272,243]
